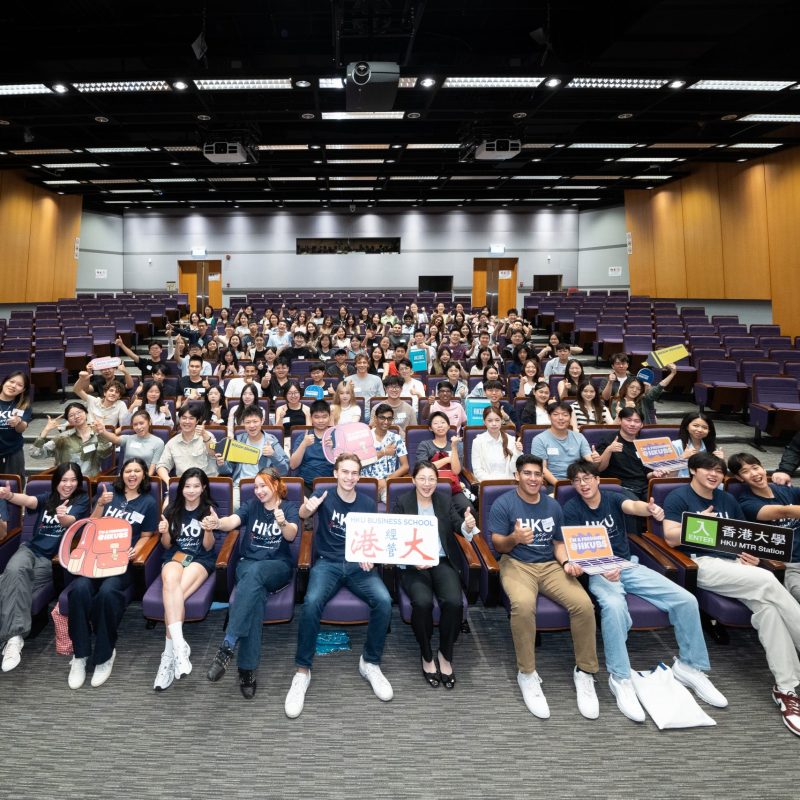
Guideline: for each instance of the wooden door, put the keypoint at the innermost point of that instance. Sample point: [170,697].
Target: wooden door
[214,284]
[187,282]
[202,282]
[494,283]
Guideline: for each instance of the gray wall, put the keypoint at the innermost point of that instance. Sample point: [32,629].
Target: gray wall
[601,244]
[102,238]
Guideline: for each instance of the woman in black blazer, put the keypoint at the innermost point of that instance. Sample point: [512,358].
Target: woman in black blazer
[443,580]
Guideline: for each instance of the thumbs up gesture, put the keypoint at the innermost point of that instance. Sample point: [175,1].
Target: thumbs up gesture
[522,534]
[518,445]
[655,511]
[163,526]
[595,455]
[469,520]
[211,522]
[708,512]
[616,445]
[5,490]
[105,496]
[280,517]
[314,502]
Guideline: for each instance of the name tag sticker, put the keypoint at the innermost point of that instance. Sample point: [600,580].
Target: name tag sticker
[552,451]
[89,448]
[136,517]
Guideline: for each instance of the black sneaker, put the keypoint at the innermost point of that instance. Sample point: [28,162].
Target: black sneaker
[247,683]
[220,663]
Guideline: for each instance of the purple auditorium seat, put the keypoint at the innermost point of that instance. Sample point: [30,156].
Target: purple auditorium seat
[598,433]
[197,606]
[718,386]
[564,320]
[750,367]
[775,408]
[784,357]
[730,342]
[549,614]
[585,330]
[608,342]
[765,330]
[146,568]
[49,370]
[644,614]
[728,329]
[656,431]
[725,319]
[344,608]
[722,610]
[416,434]
[13,538]
[470,575]
[774,342]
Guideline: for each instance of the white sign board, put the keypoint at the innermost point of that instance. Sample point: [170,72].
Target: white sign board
[77,247]
[101,274]
[504,274]
[614,272]
[198,252]
[497,248]
[629,242]
[392,539]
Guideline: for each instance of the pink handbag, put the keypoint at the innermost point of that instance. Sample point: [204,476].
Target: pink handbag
[102,550]
[61,624]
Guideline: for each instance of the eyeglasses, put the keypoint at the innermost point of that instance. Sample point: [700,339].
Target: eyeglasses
[385,417]
[583,479]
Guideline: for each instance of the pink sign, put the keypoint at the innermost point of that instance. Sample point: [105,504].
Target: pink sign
[352,437]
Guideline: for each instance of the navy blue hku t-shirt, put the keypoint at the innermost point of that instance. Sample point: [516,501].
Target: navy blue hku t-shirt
[784,496]
[47,530]
[686,499]
[330,535]
[609,514]
[10,440]
[190,540]
[544,517]
[141,512]
[261,535]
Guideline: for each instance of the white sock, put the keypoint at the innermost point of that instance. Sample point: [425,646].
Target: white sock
[176,632]
[168,648]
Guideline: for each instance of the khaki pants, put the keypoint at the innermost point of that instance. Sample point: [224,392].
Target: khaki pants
[522,583]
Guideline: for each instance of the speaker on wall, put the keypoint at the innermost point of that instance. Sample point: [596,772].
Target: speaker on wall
[371,85]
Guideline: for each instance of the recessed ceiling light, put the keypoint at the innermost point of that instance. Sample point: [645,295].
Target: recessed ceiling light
[742,86]
[60,88]
[519,114]
[283,147]
[426,83]
[302,84]
[413,115]
[4,122]
[624,115]
[308,115]
[741,160]
[389,160]
[676,84]
[60,183]
[101,119]
[204,117]
[729,117]
[317,160]
[174,163]
[315,147]
[180,85]
[551,83]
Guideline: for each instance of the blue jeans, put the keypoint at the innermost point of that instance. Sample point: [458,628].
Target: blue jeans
[254,580]
[680,605]
[326,578]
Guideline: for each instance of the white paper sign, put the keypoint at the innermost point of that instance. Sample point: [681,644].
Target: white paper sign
[77,248]
[629,242]
[392,539]
[101,274]
[504,274]
[614,272]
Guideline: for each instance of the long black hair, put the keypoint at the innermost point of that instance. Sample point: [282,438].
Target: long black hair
[174,511]
[683,433]
[144,485]
[54,499]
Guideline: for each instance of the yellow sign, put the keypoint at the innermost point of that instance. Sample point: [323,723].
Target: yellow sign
[667,355]
[239,452]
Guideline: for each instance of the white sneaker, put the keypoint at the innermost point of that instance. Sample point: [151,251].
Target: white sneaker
[296,698]
[587,697]
[377,680]
[181,663]
[166,672]
[532,694]
[102,672]
[627,701]
[11,653]
[77,673]
[699,681]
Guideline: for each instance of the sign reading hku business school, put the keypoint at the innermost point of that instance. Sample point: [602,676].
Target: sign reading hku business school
[392,539]
[737,536]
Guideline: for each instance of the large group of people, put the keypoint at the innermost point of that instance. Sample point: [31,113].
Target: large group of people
[222,376]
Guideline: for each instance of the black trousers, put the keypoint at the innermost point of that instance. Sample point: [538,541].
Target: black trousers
[421,585]
[97,604]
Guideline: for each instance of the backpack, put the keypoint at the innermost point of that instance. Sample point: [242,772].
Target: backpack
[102,550]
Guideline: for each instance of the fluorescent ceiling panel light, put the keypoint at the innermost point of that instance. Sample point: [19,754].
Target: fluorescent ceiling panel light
[596,177]
[283,147]
[24,88]
[536,177]
[492,83]
[331,83]
[237,179]
[183,148]
[445,200]
[682,145]
[296,178]
[646,160]
[118,202]
[433,146]
[238,83]
[122,86]
[356,146]
[153,202]
[217,202]
[117,149]
[413,177]
[172,180]
[103,181]
[616,83]
[770,118]
[57,151]
[755,145]
[539,199]
[475,177]
[537,146]
[87,164]
[398,200]
[406,83]
[651,177]
[742,86]
[362,115]
[355,161]
[132,191]
[353,178]
[582,186]
[581,199]
[59,183]
[350,188]
[600,145]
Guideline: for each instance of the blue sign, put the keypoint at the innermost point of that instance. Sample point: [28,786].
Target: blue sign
[418,359]
[475,406]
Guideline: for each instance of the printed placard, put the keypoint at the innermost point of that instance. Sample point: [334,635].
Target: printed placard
[418,358]
[737,536]
[392,539]
[658,453]
[110,362]
[667,355]
[238,452]
[102,550]
[589,547]
[474,408]
[352,437]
